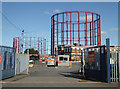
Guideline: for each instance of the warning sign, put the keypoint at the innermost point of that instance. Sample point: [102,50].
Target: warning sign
[91,58]
[0,59]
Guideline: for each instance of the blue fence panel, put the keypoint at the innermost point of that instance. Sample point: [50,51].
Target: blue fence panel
[7,66]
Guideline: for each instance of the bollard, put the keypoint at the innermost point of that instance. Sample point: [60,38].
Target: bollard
[70,63]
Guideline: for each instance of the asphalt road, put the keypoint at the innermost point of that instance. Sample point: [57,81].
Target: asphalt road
[43,76]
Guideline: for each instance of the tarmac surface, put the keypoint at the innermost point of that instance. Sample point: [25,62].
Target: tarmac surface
[43,76]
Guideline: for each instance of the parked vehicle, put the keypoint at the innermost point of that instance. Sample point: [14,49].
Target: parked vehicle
[31,63]
[50,62]
[43,60]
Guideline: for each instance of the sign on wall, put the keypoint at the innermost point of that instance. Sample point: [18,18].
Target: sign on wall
[91,58]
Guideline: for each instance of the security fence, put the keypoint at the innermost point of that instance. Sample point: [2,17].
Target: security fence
[101,64]
[7,62]
[115,63]
[96,63]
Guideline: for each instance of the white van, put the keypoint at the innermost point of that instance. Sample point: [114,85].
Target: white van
[50,62]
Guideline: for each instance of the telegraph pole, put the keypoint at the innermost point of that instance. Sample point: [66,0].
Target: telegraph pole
[23,40]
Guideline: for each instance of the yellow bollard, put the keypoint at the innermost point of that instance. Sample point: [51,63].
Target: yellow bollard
[70,63]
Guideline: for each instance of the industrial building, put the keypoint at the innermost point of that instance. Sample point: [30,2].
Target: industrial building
[74,51]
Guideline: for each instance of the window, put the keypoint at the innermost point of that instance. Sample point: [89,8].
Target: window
[69,49]
[59,48]
[65,59]
[73,55]
[61,58]
[73,49]
[77,49]
[66,49]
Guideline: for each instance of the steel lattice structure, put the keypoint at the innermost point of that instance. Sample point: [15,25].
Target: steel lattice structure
[75,27]
[38,43]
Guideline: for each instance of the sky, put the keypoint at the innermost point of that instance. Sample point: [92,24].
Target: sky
[34,18]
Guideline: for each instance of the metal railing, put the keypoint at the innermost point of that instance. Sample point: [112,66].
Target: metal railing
[115,64]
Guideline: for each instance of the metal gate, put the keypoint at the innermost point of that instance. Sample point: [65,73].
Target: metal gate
[115,63]
[101,63]
[96,63]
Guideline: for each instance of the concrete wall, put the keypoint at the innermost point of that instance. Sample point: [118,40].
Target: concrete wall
[21,64]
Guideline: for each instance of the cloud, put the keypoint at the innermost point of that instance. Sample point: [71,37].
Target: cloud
[114,29]
[103,32]
[56,11]
[47,13]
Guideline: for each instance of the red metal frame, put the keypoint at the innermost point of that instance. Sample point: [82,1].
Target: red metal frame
[37,43]
[79,27]
[18,45]
[70,26]
[13,42]
[41,47]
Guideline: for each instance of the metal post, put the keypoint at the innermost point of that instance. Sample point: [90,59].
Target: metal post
[41,45]
[23,41]
[108,59]
[79,27]
[93,28]
[44,46]
[47,46]
[90,33]
[30,42]
[83,61]
[97,31]
[13,42]
[70,28]
[34,43]
[51,38]
[57,31]
[61,35]
[112,63]
[73,33]
[53,35]
[100,29]
[18,44]
[63,28]
[86,41]
[119,62]
[67,27]
[38,45]
[116,62]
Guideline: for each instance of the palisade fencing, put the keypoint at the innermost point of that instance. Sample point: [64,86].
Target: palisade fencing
[115,64]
